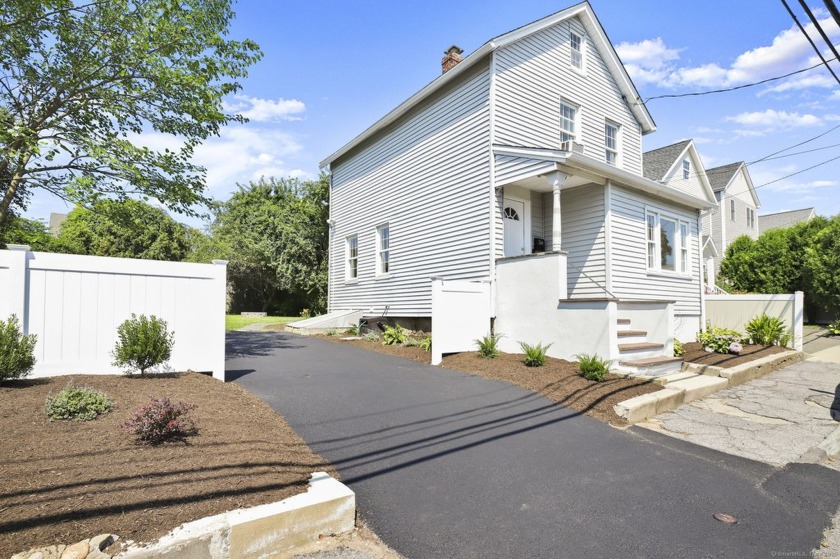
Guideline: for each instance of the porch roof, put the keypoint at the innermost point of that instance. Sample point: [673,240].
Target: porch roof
[594,171]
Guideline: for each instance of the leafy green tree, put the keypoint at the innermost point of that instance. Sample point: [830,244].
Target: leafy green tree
[21,231]
[128,229]
[81,82]
[275,235]
[823,264]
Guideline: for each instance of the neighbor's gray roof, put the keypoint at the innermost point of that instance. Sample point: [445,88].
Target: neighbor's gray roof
[784,219]
[657,162]
[719,177]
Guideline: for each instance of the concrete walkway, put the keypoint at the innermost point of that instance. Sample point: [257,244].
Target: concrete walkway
[450,465]
[819,345]
[776,419]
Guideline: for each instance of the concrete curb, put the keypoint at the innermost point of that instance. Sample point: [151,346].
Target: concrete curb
[670,398]
[327,507]
[748,371]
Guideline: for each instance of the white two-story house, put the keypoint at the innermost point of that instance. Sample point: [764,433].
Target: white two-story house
[521,166]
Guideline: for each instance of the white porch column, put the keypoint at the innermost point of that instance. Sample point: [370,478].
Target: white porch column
[556,180]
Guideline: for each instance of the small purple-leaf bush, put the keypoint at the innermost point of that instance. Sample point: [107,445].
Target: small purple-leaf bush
[735,348]
[161,420]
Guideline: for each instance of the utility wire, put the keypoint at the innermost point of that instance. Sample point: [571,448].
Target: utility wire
[816,49]
[819,29]
[817,137]
[801,152]
[835,13]
[735,88]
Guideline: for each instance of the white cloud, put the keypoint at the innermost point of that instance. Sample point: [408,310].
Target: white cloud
[266,110]
[802,187]
[652,61]
[771,119]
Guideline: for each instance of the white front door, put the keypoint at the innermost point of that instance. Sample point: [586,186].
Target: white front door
[514,217]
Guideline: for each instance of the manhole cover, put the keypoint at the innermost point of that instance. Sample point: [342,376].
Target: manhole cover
[727,518]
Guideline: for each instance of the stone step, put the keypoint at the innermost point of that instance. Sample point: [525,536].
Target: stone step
[631,333]
[698,386]
[665,380]
[655,367]
[642,346]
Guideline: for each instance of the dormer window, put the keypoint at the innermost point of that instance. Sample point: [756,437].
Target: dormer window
[686,168]
[576,43]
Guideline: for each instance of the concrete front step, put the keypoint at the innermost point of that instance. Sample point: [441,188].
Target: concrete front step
[698,386]
[623,321]
[643,346]
[631,333]
[657,366]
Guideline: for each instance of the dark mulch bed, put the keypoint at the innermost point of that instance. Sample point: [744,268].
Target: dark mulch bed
[62,481]
[558,380]
[694,353]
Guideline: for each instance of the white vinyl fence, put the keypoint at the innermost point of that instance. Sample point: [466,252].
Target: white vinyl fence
[74,304]
[735,311]
[460,315]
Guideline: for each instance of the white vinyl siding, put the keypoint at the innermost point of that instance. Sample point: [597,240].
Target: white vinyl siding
[533,77]
[352,262]
[684,176]
[583,239]
[427,176]
[629,253]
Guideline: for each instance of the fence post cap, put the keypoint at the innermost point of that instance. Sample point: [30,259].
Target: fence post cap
[220,262]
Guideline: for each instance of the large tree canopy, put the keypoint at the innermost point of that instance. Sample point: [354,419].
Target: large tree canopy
[81,81]
[128,229]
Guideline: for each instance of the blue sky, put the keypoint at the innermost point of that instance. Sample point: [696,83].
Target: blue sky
[332,68]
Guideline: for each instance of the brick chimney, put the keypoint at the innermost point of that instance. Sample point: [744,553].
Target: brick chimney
[452,58]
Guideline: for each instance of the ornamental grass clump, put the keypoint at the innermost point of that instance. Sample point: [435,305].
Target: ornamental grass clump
[78,403]
[17,350]
[592,367]
[534,354]
[488,345]
[161,420]
[142,343]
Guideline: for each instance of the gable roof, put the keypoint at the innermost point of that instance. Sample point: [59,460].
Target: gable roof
[596,33]
[720,177]
[784,219]
[657,162]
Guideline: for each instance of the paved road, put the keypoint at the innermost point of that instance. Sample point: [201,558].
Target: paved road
[449,465]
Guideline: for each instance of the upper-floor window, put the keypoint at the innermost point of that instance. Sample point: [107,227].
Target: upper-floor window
[611,143]
[383,249]
[352,262]
[668,243]
[576,43]
[686,168]
[732,210]
[751,218]
[568,122]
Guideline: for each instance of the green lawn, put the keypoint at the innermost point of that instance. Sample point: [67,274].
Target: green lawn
[235,321]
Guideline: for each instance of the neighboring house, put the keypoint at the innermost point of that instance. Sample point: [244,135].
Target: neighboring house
[784,219]
[734,216]
[521,165]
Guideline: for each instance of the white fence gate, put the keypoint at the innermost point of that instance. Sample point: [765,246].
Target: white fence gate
[460,315]
[735,311]
[74,304]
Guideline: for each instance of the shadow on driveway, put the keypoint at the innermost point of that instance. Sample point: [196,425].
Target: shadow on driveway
[257,344]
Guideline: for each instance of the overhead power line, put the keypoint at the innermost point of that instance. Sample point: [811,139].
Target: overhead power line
[798,172]
[815,47]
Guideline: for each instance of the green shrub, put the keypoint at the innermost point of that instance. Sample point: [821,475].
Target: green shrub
[834,328]
[534,355]
[331,332]
[411,341]
[679,350]
[425,343]
[371,337]
[79,403]
[592,367]
[17,351]
[161,420]
[353,330]
[718,339]
[765,330]
[488,345]
[394,335]
[142,343]
[305,313]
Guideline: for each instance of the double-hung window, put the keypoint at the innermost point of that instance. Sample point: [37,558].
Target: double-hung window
[686,168]
[611,143]
[732,209]
[668,241]
[568,122]
[383,249]
[352,262]
[751,218]
[576,44]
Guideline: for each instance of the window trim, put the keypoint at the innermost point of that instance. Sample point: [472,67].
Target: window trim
[750,218]
[686,168]
[581,50]
[732,209]
[383,265]
[682,247]
[616,151]
[575,136]
[351,263]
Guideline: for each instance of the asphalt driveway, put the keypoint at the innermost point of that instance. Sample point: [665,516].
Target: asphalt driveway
[449,465]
